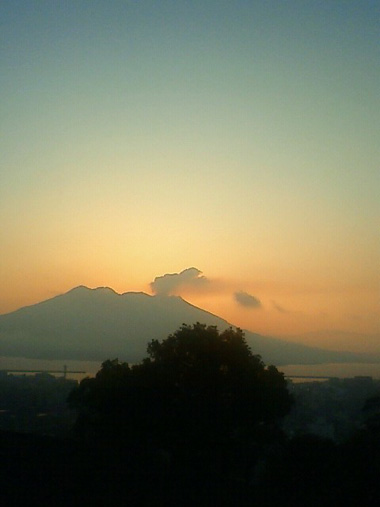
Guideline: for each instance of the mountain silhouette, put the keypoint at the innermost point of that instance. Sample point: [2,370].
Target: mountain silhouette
[96,324]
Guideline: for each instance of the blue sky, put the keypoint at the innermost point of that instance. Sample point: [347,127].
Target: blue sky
[242,138]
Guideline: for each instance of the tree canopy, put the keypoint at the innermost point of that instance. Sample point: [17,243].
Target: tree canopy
[198,387]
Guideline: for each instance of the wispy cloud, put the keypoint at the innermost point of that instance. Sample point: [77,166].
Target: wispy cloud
[279,308]
[247,300]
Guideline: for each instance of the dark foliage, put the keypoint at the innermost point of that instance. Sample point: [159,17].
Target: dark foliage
[35,404]
[175,430]
[197,389]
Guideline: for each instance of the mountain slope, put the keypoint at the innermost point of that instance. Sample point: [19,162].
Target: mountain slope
[93,324]
[96,324]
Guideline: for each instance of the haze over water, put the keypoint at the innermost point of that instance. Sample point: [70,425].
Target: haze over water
[90,368]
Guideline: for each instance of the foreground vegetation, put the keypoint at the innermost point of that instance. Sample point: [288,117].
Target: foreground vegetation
[201,421]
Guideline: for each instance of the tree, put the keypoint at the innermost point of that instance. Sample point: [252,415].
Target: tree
[199,388]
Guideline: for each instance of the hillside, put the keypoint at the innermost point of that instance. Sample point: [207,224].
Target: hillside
[95,324]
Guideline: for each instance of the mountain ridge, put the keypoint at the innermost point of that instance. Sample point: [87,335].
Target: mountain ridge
[99,323]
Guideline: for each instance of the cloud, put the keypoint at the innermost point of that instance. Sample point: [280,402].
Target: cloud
[171,283]
[245,299]
[279,308]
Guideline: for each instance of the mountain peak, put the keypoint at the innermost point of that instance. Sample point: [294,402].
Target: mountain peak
[82,289]
[96,324]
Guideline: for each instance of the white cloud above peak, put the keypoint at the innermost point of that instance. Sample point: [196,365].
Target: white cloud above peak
[173,283]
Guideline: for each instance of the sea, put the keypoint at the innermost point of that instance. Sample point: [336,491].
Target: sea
[89,368]
[339,370]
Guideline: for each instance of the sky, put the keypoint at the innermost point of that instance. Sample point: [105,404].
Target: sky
[232,144]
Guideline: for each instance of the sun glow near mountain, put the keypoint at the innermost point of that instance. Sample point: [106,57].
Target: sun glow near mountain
[141,139]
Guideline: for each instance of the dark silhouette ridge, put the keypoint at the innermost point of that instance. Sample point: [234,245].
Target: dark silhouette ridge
[90,324]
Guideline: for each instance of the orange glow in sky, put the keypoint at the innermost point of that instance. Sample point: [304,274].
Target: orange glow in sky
[140,139]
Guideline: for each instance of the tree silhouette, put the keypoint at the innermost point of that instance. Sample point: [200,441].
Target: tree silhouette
[199,388]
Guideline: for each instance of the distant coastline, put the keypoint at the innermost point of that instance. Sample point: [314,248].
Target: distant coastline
[340,370]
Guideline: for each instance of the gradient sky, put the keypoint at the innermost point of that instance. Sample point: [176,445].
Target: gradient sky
[140,138]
